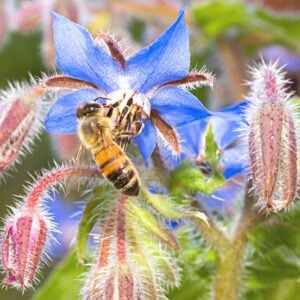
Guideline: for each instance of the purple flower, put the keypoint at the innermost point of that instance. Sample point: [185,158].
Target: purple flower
[151,77]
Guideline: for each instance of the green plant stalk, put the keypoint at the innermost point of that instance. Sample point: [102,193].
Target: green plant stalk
[231,259]
[231,252]
[229,269]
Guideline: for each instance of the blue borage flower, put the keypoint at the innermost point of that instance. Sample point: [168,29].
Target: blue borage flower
[154,74]
[226,127]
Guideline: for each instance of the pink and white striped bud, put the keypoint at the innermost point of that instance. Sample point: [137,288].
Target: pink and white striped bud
[272,138]
[20,121]
[131,261]
[25,237]
[28,231]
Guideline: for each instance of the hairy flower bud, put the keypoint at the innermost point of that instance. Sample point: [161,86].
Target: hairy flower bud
[272,138]
[19,123]
[23,243]
[130,264]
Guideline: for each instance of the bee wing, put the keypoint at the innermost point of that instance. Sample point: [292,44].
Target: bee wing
[123,141]
[82,158]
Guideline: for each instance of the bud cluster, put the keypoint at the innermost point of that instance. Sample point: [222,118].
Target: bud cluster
[129,265]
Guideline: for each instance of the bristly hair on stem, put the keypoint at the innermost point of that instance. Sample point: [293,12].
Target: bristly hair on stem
[28,230]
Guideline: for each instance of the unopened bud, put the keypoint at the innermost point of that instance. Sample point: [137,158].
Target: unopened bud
[272,139]
[18,125]
[23,244]
[118,284]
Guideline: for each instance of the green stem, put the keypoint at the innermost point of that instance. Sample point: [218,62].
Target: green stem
[213,235]
[231,259]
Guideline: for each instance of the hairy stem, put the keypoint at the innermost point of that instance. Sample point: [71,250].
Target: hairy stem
[212,233]
[53,177]
[231,259]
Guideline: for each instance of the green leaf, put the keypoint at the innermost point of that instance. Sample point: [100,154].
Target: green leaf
[275,257]
[212,153]
[284,27]
[198,267]
[152,225]
[194,176]
[255,25]
[91,212]
[276,265]
[188,176]
[216,17]
[64,282]
[163,205]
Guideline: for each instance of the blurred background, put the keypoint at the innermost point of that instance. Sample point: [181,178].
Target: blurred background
[226,36]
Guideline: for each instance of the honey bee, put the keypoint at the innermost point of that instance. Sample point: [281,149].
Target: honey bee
[99,134]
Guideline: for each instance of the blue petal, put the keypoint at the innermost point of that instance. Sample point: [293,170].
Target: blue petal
[227,122]
[192,136]
[233,112]
[223,200]
[167,59]
[61,118]
[77,55]
[234,161]
[178,106]
[169,159]
[225,131]
[146,140]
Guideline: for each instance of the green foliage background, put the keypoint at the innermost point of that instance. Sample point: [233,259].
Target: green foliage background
[272,267]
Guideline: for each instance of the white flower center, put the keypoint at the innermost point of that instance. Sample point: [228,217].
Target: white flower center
[123,96]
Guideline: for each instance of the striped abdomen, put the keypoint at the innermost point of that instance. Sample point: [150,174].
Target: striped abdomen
[117,168]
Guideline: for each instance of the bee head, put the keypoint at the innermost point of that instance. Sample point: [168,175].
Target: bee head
[88,109]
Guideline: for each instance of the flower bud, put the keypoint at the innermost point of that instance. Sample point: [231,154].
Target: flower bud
[272,141]
[118,283]
[24,240]
[18,124]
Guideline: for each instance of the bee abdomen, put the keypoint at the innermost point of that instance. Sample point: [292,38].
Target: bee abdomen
[120,172]
[126,180]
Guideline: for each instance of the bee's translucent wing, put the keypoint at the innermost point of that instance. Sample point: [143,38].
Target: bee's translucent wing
[82,158]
